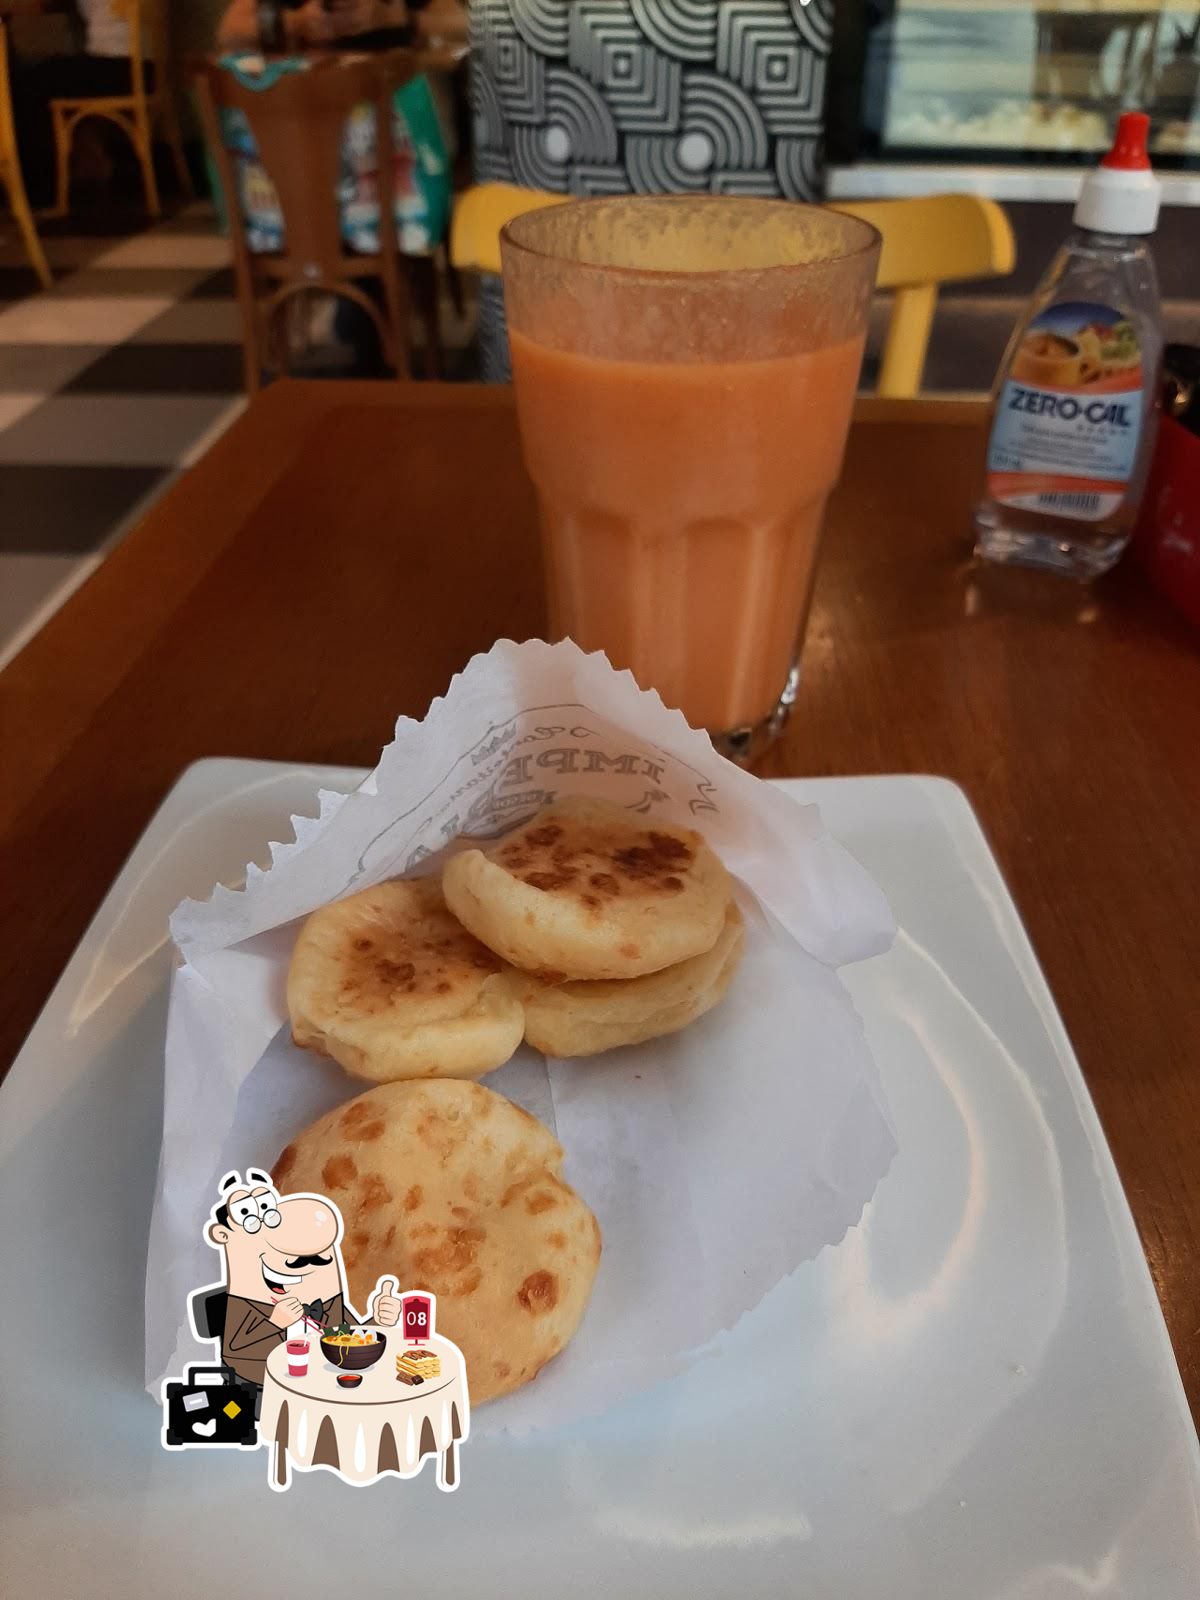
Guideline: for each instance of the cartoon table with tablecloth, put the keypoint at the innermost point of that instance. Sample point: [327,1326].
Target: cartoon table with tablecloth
[383,1426]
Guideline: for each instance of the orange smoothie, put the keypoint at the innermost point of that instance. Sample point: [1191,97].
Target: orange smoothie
[681,511]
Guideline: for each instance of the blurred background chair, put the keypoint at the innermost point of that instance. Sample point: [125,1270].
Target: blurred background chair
[298,123]
[10,171]
[148,105]
[928,241]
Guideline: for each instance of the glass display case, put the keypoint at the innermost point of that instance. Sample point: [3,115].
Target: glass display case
[1001,80]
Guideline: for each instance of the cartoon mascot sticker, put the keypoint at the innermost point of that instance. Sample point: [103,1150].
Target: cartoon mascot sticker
[300,1371]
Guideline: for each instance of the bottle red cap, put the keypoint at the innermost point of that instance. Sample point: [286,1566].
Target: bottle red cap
[1129,145]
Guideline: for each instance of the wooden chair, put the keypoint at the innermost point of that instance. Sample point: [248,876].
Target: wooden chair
[10,171]
[298,124]
[136,113]
[928,241]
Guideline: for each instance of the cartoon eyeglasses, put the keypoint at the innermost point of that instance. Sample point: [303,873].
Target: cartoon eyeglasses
[255,1211]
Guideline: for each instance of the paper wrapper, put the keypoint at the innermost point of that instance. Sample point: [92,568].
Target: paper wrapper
[717,1160]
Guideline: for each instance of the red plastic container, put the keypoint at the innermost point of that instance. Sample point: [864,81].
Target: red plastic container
[1167,538]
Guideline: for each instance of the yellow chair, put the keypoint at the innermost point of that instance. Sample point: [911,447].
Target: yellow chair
[135,113]
[928,241]
[945,238]
[10,171]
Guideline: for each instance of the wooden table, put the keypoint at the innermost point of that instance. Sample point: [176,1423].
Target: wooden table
[383,534]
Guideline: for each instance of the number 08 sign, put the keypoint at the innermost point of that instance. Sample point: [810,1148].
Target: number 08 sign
[417,1319]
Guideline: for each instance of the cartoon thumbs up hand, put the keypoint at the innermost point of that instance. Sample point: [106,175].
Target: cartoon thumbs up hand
[385,1308]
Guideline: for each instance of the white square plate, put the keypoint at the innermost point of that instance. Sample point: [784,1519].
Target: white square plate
[971,1398]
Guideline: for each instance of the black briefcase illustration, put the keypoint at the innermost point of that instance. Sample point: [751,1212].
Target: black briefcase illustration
[209,1406]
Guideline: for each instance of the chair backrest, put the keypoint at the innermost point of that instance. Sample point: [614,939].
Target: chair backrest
[481,212]
[937,238]
[208,1311]
[298,123]
[927,241]
[146,21]
[8,137]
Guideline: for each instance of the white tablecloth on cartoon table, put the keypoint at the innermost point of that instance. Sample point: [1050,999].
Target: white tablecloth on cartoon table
[382,1426]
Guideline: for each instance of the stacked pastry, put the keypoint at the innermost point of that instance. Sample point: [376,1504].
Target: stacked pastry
[416,1365]
[582,930]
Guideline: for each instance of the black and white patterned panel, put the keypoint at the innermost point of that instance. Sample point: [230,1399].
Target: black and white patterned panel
[613,96]
[595,97]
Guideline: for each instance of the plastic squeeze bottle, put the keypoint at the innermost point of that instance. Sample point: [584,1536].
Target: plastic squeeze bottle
[1074,412]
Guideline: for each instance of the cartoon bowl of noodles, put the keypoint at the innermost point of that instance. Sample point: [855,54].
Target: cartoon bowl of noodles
[352,1348]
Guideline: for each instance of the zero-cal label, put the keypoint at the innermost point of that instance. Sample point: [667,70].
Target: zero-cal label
[1065,436]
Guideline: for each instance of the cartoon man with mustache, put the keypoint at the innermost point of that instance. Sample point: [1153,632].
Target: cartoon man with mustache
[283,1271]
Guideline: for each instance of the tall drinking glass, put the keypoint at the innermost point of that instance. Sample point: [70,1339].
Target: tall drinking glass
[685,369]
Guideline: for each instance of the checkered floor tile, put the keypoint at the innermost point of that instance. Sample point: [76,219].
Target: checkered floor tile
[111,382]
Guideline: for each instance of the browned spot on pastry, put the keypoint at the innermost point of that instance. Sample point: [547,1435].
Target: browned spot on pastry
[356,1111]
[396,972]
[339,1172]
[363,945]
[370,1130]
[557,1240]
[440,1133]
[466,1285]
[549,975]
[460,1212]
[549,880]
[441,988]
[670,849]
[652,864]
[422,1230]
[540,1200]
[630,951]
[549,833]
[413,1198]
[353,1248]
[513,856]
[389,1236]
[285,1163]
[501,1368]
[431,1129]
[539,1293]
[592,901]
[605,882]
[672,883]
[453,1255]
[374,1192]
